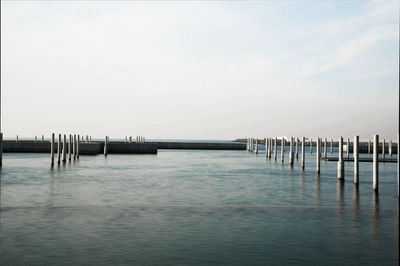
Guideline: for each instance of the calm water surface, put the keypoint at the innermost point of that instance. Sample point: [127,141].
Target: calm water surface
[194,207]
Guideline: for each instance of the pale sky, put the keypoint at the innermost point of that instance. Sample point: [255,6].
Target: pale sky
[200,70]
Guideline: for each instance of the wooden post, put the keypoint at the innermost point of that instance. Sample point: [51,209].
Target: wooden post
[59,149]
[355,155]
[69,147]
[291,152]
[35,139]
[303,151]
[52,149]
[340,162]
[105,145]
[1,150]
[64,152]
[383,149]
[77,147]
[318,154]
[74,146]
[16,139]
[90,138]
[310,145]
[266,147]
[348,147]
[283,150]
[275,148]
[375,167]
[297,148]
[390,148]
[331,146]
[325,147]
[256,145]
[42,138]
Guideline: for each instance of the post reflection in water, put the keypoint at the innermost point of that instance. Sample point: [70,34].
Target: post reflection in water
[340,202]
[356,225]
[318,190]
[375,220]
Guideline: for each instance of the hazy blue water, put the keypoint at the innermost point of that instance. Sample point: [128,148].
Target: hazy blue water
[194,207]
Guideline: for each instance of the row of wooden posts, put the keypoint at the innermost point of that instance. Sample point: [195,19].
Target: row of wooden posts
[139,139]
[73,148]
[271,144]
[86,138]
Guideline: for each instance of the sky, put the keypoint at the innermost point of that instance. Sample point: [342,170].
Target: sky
[201,69]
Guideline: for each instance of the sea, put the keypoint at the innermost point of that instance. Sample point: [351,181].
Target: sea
[195,207]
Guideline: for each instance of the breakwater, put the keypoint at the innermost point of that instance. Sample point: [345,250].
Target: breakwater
[118,147]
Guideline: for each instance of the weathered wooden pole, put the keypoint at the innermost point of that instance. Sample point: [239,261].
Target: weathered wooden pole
[375,166]
[105,145]
[283,150]
[16,139]
[59,149]
[42,138]
[275,148]
[69,147]
[130,139]
[1,149]
[331,146]
[310,145]
[52,149]
[348,148]
[256,145]
[390,148]
[77,147]
[64,152]
[74,146]
[90,138]
[340,162]
[318,155]
[35,139]
[291,152]
[383,149]
[266,147]
[325,147]
[303,151]
[297,148]
[355,155]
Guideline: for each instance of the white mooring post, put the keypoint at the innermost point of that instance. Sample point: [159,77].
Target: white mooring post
[310,145]
[275,148]
[64,152]
[318,154]
[266,147]
[375,166]
[270,148]
[283,150]
[390,148]
[74,146]
[59,149]
[69,147]
[355,155]
[52,149]
[291,152]
[77,147]
[105,146]
[331,146]
[325,147]
[256,145]
[383,149]
[340,162]
[348,148]
[303,150]
[369,147]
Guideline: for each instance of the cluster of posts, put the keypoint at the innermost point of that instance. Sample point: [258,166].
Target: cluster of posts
[272,143]
[139,139]
[71,146]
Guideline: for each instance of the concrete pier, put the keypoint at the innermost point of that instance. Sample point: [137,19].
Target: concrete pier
[340,162]
[375,165]
[355,156]
[303,150]
[318,155]
[283,150]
